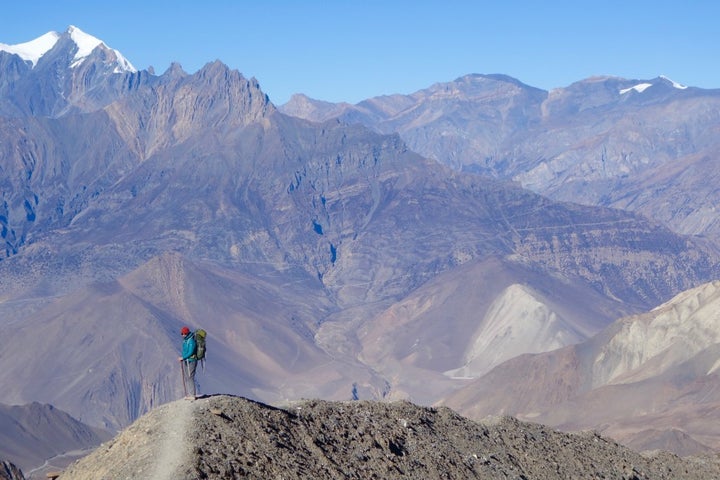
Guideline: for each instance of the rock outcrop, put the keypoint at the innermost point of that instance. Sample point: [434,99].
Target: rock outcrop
[224,437]
[8,471]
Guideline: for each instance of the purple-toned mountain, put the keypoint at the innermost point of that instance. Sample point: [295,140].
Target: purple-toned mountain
[649,380]
[189,199]
[59,73]
[39,437]
[203,164]
[642,145]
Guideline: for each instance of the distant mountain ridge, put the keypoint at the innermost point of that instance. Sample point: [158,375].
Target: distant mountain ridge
[640,145]
[33,433]
[34,50]
[326,260]
[59,73]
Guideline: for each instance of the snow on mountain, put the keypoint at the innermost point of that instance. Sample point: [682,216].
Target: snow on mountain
[675,84]
[640,87]
[33,50]
[87,43]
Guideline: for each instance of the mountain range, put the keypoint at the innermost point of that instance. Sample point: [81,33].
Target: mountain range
[425,247]
[647,146]
[39,437]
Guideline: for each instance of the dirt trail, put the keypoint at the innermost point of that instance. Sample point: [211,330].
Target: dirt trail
[156,447]
[174,447]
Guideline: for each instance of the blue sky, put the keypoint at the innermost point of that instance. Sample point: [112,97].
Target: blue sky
[352,50]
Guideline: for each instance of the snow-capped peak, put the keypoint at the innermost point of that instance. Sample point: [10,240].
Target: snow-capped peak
[679,86]
[33,50]
[87,43]
[641,87]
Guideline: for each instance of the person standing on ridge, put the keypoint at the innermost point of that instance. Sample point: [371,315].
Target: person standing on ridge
[188,362]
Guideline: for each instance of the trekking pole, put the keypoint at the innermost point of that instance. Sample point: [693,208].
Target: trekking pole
[182,371]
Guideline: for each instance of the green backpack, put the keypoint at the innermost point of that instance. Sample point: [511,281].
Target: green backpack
[200,335]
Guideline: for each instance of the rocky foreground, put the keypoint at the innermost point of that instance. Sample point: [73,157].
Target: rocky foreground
[224,437]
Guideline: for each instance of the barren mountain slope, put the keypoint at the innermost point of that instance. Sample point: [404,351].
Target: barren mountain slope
[38,438]
[120,340]
[224,437]
[641,379]
[464,322]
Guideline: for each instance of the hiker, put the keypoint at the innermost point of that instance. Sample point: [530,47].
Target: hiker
[188,362]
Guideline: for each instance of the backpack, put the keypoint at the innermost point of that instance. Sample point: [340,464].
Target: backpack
[200,335]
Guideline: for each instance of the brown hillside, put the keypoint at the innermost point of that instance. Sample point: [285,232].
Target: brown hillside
[224,437]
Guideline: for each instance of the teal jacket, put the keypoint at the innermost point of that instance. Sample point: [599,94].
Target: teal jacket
[189,347]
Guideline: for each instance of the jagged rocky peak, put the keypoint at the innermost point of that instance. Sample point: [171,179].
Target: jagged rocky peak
[220,96]
[218,73]
[179,106]
[175,70]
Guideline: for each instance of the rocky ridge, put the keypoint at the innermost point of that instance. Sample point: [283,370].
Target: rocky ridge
[642,145]
[224,437]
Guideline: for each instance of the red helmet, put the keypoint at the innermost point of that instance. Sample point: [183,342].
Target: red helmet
[184,331]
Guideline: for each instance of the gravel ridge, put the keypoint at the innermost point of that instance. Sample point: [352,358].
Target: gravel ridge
[227,437]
